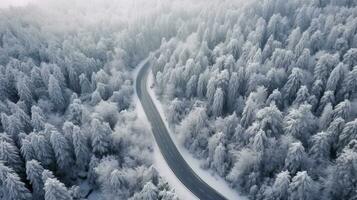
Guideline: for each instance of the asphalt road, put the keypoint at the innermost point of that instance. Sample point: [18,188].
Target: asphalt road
[168,149]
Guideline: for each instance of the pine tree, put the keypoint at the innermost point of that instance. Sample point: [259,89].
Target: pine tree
[281,186]
[233,87]
[81,149]
[327,98]
[37,118]
[211,89]
[42,149]
[85,85]
[11,156]
[149,192]
[100,137]
[24,90]
[249,112]
[191,87]
[293,84]
[336,77]
[343,110]
[218,102]
[349,133]
[320,149]
[296,158]
[300,123]
[326,117]
[62,150]
[324,66]
[270,120]
[26,149]
[302,187]
[301,96]
[350,83]
[55,93]
[15,189]
[55,190]
[75,111]
[341,182]
[34,172]
[276,98]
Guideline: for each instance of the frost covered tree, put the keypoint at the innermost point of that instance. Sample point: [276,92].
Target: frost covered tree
[348,133]
[15,189]
[55,93]
[100,137]
[296,158]
[343,110]
[302,187]
[270,120]
[300,123]
[149,192]
[341,183]
[321,148]
[37,118]
[218,102]
[81,150]
[34,172]
[193,128]
[75,111]
[191,87]
[11,156]
[280,187]
[293,84]
[249,113]
[62,150]
[55,190]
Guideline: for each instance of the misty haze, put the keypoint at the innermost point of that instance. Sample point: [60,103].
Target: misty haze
[178,99]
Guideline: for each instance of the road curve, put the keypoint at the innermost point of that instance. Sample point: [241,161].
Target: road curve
[167,147]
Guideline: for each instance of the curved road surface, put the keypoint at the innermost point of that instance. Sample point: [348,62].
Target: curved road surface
[168,149]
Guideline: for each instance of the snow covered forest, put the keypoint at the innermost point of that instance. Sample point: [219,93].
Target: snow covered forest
[264,91]
[68,124]
[267,96]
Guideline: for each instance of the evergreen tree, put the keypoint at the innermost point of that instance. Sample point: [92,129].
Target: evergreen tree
[281,186]
[100,137]
[270,120]
[300,123]
[15,189]
[302,187]
[62,150]
[55,93]
[149,192]
[81,149]
[218,102]
[296,158]
[349,133]
[55,190]
[343,110]
[11,156]
[34,172]
[37,118]
[293,84]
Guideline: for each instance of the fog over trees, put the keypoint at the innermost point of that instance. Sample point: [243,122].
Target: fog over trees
[264,91]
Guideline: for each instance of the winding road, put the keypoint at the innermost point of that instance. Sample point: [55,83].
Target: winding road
[167,147]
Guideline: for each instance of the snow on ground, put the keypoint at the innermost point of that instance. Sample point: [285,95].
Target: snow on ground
[216,182]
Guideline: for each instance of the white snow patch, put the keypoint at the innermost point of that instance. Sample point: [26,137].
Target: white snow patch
[216,182]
